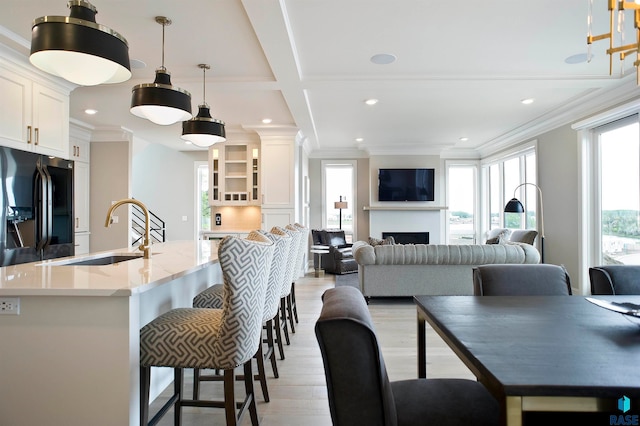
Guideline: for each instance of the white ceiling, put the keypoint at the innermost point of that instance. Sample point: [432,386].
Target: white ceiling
[461,69]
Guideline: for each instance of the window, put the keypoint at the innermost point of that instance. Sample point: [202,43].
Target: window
[502,179]
[203,210]
[461,200]
[339,184]
[618,145]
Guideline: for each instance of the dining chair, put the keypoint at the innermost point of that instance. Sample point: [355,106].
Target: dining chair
[615,279]
[521,280]
[213,298]
[222,339]
[359,389]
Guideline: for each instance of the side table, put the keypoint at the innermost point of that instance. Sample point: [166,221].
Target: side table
[319,272]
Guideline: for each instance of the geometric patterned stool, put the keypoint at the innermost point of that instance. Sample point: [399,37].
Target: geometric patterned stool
[220,339]
[212,298]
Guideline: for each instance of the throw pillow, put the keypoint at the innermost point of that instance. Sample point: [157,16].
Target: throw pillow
[502,235]
[523,236]
[379,242]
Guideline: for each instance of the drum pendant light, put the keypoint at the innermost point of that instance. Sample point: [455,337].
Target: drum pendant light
[160,102]
[78,49]
[203,130]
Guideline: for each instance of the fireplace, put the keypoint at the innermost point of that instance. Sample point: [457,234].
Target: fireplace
[408,237]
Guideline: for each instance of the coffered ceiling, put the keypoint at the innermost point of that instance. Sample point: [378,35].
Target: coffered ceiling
[461,69]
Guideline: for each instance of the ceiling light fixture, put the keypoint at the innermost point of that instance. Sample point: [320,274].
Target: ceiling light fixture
[203,130]
[78,49]
[160,102]
[91,111]
[383,59]
[371,101]
[616,23]
[527,101]
[266,121]
[464,139]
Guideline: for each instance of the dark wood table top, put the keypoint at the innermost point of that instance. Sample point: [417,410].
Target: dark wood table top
[541,345]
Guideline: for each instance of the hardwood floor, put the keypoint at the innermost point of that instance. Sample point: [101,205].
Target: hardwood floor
[299,396]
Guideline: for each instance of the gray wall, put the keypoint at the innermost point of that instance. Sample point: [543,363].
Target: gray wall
[558,178]
[110,177]
[164,180]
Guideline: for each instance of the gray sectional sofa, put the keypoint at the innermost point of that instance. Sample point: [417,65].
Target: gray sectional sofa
[401,270]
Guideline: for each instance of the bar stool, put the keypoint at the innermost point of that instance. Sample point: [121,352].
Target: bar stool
[221,339]
[213,298]
[286,300]
[303,250]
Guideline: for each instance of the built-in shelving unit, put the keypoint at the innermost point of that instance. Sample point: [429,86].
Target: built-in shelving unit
[235,172]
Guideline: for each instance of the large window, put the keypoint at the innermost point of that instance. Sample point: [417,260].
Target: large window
[461,200]
[504,179]
[339,186]
[619,164]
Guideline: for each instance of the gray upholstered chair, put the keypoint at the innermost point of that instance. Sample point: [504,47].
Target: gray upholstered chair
[615,279]
[222,339]
[359,389]
[520,280]
[213,298]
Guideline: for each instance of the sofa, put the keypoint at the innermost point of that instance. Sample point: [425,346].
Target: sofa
[339,260]
[404,270]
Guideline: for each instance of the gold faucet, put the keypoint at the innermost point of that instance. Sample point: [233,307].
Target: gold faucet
[145,247]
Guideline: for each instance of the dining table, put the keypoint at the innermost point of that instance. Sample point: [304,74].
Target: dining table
[551,354]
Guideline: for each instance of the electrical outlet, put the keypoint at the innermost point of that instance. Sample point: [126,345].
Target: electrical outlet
[9,306]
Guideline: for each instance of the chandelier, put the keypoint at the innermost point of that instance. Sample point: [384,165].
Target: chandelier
[617,9]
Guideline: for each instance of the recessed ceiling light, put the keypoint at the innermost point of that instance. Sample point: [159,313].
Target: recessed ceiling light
[91,111]
[527,101]
[577,58]
[464,139]
[188,142]
[359,139]
[383,59]
[137,63]
[266,120]
[371,101]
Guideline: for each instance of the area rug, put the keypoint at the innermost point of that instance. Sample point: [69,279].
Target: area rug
[347,280]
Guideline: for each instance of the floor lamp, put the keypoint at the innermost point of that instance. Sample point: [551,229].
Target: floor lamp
[515,206]
[340,205]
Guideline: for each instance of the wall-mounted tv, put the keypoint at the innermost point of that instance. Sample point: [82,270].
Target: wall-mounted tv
[406,184]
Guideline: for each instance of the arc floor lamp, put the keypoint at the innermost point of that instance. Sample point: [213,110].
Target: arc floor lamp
[515,206]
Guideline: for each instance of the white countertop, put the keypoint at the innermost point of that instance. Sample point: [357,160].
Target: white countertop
[168,261]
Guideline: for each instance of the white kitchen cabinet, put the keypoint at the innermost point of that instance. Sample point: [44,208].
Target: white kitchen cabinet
[278,173]
[33,117]
[79,150]
[81,196]
[82,243]
[80,153]
[235,177]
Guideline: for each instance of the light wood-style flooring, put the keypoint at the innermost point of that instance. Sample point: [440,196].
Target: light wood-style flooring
[299,396]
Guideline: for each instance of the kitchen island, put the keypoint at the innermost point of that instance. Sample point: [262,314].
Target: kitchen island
[71,355]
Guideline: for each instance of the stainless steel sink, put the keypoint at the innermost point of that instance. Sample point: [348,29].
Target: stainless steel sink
[108,259]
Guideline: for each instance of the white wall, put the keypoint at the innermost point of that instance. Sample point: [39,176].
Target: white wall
[164,180]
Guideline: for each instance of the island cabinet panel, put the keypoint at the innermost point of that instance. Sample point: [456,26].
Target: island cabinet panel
[73,356]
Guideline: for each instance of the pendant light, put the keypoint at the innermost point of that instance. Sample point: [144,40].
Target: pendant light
[160,102]
[78,49]
[203,130]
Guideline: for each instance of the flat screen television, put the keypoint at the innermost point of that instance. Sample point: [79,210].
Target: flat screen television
[406,184]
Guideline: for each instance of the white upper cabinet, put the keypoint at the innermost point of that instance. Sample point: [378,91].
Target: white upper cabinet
[278,173]
[33,117]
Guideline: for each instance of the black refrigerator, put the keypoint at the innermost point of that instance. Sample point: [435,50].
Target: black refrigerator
[36,207]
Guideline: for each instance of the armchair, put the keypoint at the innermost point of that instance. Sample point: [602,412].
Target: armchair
[615,279]
[340,258]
